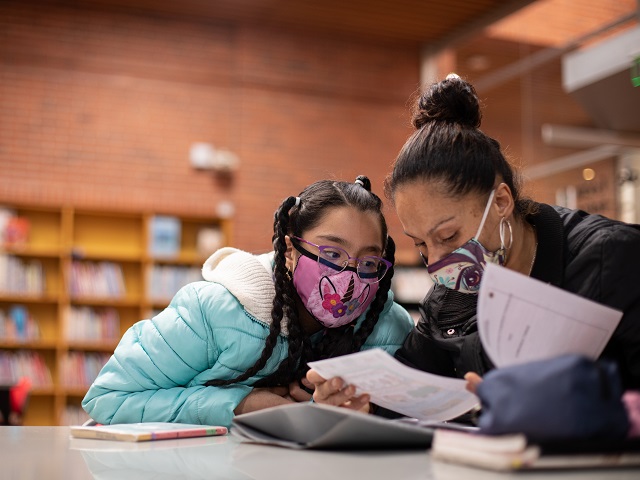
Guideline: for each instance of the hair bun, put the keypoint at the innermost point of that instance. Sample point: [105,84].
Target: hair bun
[451,100]
[364,182]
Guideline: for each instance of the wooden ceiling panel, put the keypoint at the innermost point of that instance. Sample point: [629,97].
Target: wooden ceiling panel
[409,21]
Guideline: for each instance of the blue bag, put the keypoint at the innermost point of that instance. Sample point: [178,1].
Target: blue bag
[568,397]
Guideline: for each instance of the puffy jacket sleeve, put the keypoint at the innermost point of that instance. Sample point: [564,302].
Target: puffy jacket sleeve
[158,370]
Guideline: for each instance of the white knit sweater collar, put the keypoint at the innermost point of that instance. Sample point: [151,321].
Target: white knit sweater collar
[248,277]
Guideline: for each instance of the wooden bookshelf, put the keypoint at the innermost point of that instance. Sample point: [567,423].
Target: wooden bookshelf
[60,240]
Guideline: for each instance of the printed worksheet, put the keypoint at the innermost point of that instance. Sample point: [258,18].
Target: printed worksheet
[521,319]
[400,388]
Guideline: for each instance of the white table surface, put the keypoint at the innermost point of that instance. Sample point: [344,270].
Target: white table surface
[50,453]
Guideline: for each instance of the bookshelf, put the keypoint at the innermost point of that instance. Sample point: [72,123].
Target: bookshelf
[72,281]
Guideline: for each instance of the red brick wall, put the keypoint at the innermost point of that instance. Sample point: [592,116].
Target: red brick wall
[98,109]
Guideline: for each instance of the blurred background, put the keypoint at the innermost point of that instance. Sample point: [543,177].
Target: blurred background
[102,101]
[138,135]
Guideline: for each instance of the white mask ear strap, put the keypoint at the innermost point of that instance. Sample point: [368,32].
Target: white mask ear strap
[486,212]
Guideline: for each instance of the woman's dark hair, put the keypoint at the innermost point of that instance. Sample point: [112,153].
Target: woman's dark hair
[449,148]
[291,219]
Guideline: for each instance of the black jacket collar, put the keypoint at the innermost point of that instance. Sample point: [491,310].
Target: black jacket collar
[549,263]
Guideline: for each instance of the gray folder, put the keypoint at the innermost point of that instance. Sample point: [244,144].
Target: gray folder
[313,426]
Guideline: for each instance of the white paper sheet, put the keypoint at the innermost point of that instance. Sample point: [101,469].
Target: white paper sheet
[399,388]
[521,319]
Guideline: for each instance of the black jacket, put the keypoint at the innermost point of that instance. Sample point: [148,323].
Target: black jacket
[590,255]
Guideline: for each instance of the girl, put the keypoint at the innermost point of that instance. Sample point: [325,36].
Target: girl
[240,340]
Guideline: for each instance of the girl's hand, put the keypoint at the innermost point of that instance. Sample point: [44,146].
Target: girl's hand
[299,394]
[335,392]
[260,398]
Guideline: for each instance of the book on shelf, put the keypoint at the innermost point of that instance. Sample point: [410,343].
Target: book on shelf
[166,280]
[18,324]
[15,365]
[514,452]
[87,323]
[74,415]
[21,276]
[96,279]
[141,432]
[80,369]
[164,236]
[14,229]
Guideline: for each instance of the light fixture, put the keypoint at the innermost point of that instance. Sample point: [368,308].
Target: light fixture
[588,174]
[204,156]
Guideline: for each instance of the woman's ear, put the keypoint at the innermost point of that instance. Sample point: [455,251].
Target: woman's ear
[504,200]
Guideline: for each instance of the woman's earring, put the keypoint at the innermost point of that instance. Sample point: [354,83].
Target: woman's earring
[503,222]
[288,274]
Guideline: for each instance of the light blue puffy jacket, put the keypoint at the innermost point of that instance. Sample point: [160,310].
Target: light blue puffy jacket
[212,329]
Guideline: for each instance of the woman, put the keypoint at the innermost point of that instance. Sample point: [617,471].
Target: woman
[240,341]
[459,201]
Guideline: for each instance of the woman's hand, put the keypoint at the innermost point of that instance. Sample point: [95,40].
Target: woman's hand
[335,392]
[473,380]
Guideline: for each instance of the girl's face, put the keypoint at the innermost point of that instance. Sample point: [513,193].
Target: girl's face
[358,233]
[439,223]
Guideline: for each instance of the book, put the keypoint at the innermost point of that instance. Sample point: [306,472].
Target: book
[314,426]
[142,432]
[164,236]
[513,452]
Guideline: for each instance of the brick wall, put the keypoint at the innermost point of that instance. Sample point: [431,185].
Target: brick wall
[99,108]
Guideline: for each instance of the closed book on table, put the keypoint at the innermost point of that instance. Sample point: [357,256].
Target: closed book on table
[513,452]
[141,432]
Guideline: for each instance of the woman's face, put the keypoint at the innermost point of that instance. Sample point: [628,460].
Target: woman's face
[358,233]
[439,223]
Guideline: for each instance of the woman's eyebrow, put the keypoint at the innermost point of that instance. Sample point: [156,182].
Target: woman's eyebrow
[435,227]
[432,229]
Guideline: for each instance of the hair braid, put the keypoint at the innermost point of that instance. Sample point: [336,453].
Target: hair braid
[282,301]
[378,303]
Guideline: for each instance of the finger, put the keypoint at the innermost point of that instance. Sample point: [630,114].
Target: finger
[360,403]
[327,388]
[298,394]
[307,383]
[315,378]
[473,381]
[338,397]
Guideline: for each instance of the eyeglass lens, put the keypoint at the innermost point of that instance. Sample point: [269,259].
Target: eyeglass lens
[369,269]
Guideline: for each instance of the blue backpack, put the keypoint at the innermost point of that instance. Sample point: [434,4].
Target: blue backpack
[568,397]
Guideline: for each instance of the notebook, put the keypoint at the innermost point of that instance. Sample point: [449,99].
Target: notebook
[514,452]
[141,432]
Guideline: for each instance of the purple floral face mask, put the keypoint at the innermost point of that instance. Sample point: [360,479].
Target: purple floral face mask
[333,300]
[462,269]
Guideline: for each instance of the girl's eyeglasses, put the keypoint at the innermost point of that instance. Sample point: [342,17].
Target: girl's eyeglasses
[333,260]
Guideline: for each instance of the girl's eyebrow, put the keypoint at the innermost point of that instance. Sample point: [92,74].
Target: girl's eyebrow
[344,243]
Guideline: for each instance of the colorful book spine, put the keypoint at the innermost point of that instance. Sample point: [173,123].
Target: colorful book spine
[96,279]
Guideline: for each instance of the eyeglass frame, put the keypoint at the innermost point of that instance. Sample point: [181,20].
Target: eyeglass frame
[333,266]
